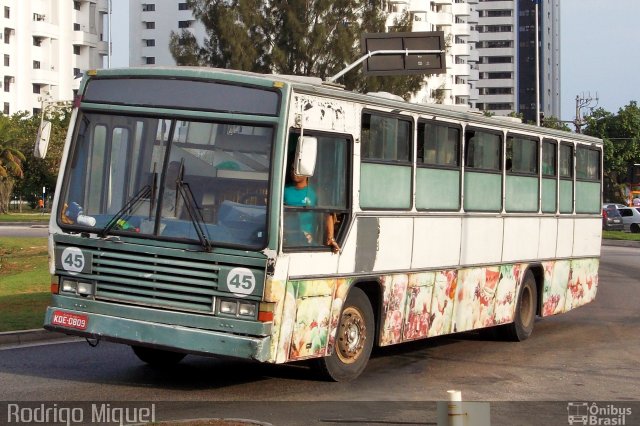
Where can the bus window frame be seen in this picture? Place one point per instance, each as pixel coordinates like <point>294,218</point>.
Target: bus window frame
<point>553,142</point>
<point>499,172</point>
<point>441,123</point>
<point>501,155</point>
<point>510,171</point>
<point>412,131</point>
<point>183,115</point>
<point>572,157</point>
<point>348,213</point>
<point>421,165</point>
<point>599,171</point>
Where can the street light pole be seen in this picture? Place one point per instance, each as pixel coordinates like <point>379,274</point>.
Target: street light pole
<point>109,11</point>
<point>537,67</point>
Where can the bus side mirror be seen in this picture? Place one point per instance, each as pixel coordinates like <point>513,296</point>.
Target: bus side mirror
<point>306,153</point>
<point>42,140</point>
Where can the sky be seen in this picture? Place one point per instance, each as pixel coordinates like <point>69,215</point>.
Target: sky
<point>600,53</point>
<point>600,45</point>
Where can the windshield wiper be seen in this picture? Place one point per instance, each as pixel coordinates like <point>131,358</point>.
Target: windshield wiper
<point>194,212</point>
<point>144,192</point>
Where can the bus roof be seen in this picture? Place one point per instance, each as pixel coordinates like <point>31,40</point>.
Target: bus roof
<point>316,86</point>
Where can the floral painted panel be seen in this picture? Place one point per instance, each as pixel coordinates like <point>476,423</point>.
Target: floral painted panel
<point>287,323</point>
<point>311,328</point>
<point>583,283</point>
<point>309,321</point>
<point>393,306</point>
<point>418,316</point>
<point>275,292</point>
<point>476,298</point>
<point>342,287</point>
<point>444,291</point>
<point>466,310</point>
<point>569,284</point>
<point>506,293</point>
<point>556,277</point>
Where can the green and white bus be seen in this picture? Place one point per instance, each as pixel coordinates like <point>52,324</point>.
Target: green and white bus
<point>172,231</point>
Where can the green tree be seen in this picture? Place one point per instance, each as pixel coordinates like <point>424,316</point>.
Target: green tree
<point>39,172</point>
<point>302,37</point>
<point>621,135</point>
<point>554,123</point>
<point>11,160</point>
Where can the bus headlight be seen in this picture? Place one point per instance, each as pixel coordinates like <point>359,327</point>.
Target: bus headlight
<point>237,308</point>
<point>85,289</point>
<point>82,288</point>
<point>247,309</point>
<point>228,307</point>
<point>69,286</point>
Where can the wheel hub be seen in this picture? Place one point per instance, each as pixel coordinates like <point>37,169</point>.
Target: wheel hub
<point>351,335</point>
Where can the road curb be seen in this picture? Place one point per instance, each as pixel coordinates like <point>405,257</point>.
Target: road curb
<point>620,243</point>
<point>23,337</point>
<point>26,224</point>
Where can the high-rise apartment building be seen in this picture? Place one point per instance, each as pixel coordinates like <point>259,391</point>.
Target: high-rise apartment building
<point>46,45</point>
<point>507,52</point>
<point>490,48</point>
<point>150,26</point>
<point>457,19</point>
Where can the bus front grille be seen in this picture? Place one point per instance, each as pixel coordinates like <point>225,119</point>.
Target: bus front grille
<point>153,280</point>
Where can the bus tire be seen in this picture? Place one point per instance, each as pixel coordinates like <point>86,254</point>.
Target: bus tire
<point>157,357</point>
<point>353,340</point>
<point>525,314</point>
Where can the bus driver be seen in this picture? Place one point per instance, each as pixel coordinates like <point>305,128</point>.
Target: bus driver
<point>299,194</point>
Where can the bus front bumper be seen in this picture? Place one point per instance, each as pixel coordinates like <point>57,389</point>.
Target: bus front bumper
<point>157,335</point>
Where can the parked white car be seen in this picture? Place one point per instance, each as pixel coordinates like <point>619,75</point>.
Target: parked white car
<point>630,218</point>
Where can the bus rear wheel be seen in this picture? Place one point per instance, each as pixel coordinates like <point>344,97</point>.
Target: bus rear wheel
<point>353,341</point>
<point>525,314</point>
<point>157,357</point>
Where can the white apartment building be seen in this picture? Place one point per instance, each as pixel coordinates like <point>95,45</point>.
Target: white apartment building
<point>457,19</point>
<point>151,22</point>
<point>46,45</point>
<point>150,26</point>
<point>507,57</point>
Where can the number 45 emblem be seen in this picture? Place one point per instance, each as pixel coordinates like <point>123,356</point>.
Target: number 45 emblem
<point>241,281</point>
<point>73,260</point>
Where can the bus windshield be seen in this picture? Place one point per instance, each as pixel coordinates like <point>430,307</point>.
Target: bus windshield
<point>166,178</point>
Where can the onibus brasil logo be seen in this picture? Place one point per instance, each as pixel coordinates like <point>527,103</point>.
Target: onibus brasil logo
<point>583,413</point>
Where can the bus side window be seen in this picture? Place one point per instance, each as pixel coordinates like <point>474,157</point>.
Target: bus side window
<point>315,204</point>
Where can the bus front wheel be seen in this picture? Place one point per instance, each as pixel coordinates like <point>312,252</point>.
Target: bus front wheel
<point>525,314</point>
<point>157,357</point>
<point>353,340</point>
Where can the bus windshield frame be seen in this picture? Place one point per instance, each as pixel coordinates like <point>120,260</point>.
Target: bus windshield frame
<point>169,178</point>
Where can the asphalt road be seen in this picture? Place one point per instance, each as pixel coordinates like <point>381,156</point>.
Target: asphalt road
<point>590,354</point>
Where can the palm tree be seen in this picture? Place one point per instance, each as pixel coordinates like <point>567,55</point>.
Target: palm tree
<point>10,162</point>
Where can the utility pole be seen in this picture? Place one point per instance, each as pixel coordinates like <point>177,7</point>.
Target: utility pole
<point>538,68</point>
<point>584,101</point>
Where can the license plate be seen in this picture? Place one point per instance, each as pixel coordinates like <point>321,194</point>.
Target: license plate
<point>69,320</point>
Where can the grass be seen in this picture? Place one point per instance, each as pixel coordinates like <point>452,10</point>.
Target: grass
<point>25,217</point>
<point>620,235</point>
<point>24,283</point>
